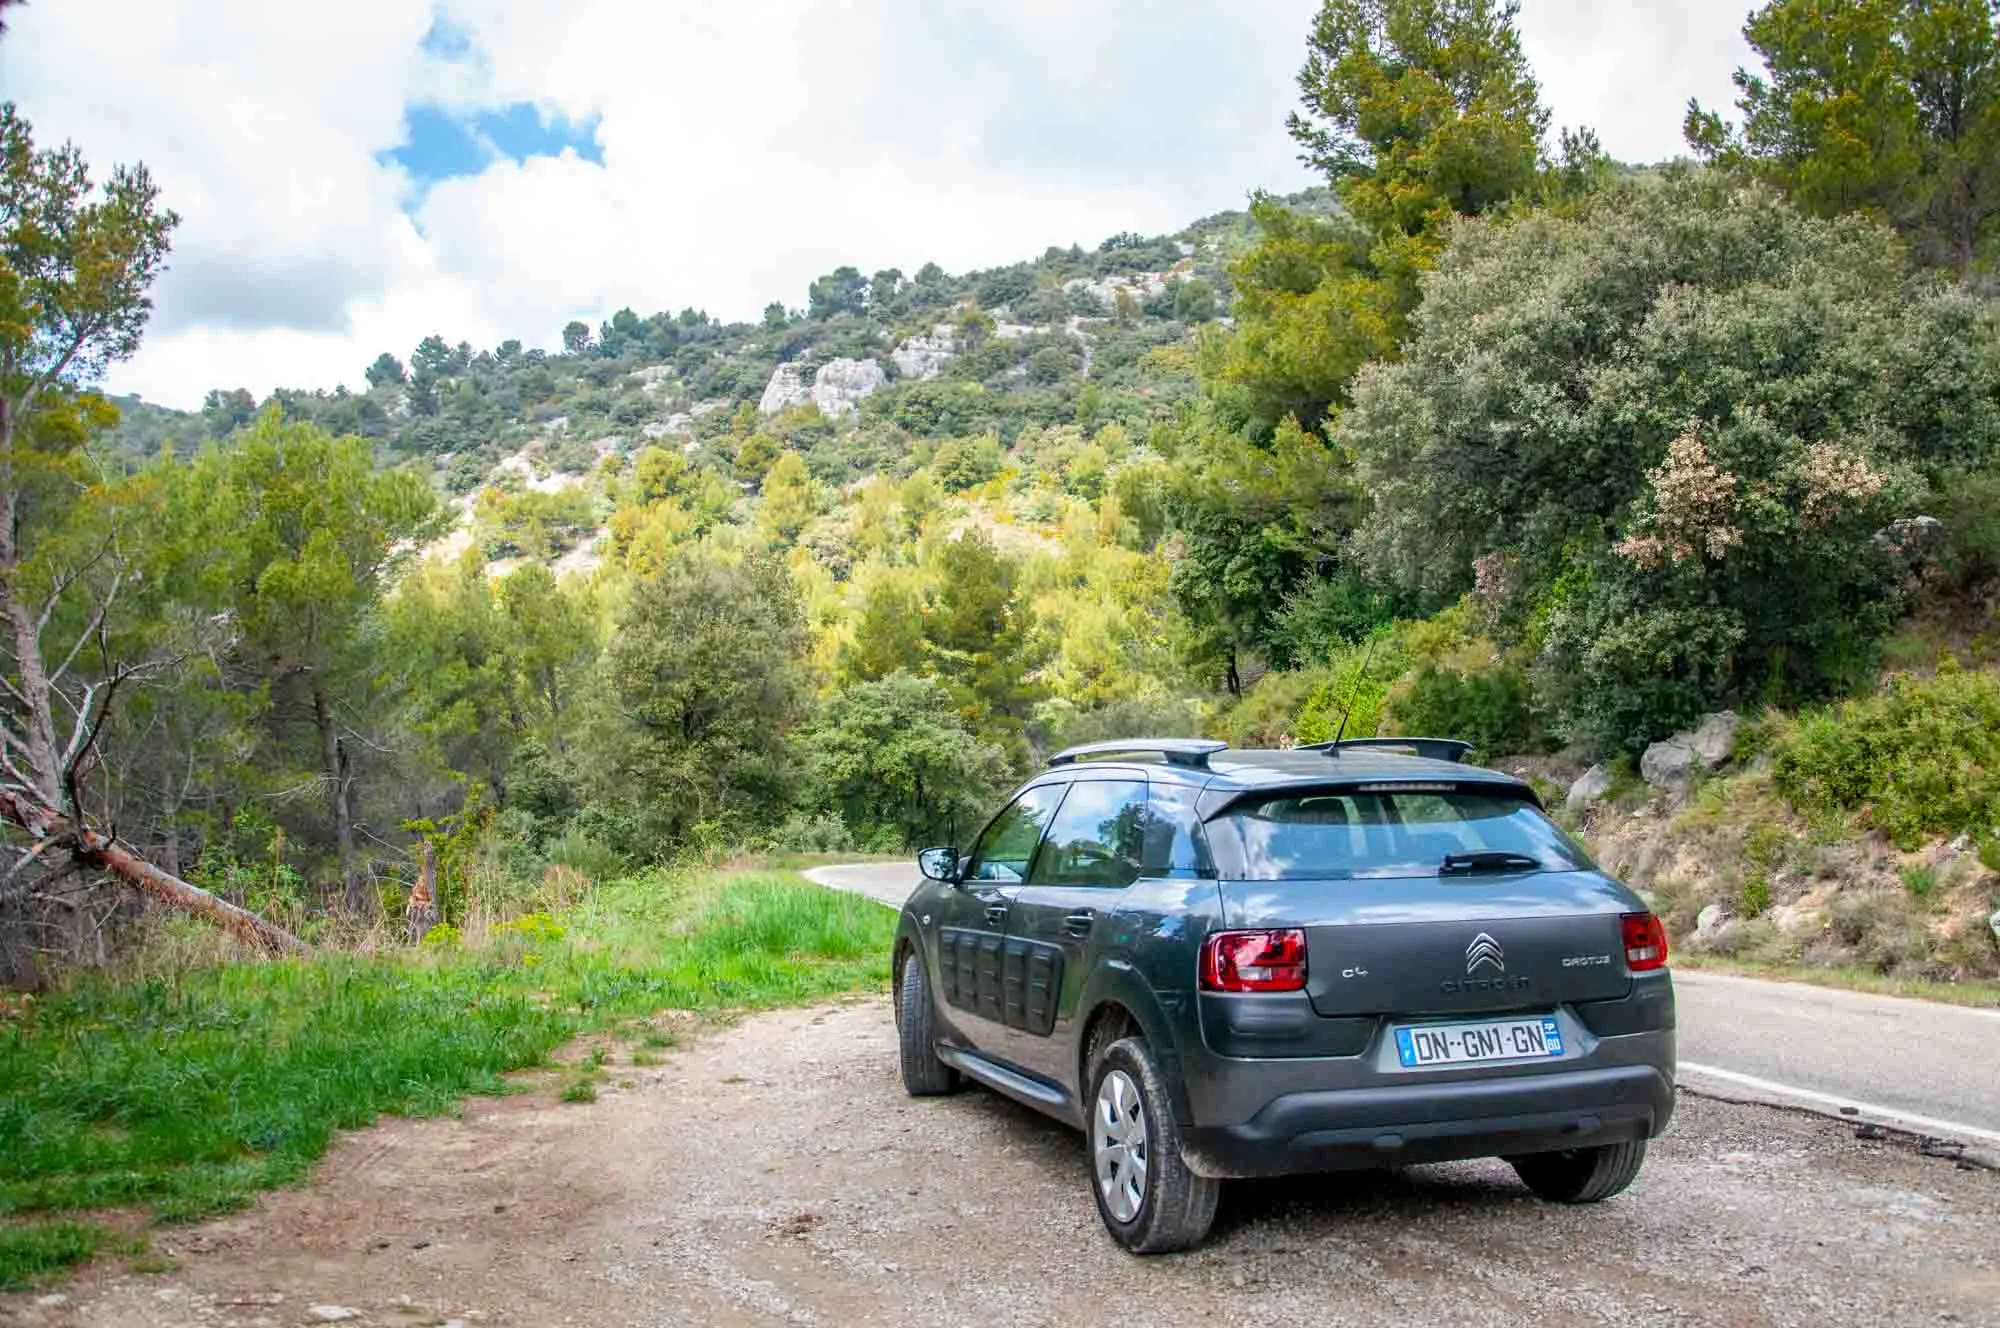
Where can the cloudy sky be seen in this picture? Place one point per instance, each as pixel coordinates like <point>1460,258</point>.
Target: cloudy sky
<point>352,177</point>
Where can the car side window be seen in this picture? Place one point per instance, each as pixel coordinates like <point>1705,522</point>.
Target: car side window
<point>1097,837</point>
<point>1174,842</point>
<point>1004,851</point>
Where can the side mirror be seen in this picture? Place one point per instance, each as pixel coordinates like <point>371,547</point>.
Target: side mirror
<point>939,864</point>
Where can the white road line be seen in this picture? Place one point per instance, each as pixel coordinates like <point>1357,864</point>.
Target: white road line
<point>1885,1115</point>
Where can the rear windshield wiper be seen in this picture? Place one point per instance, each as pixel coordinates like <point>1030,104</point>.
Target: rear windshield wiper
<point>1455,864</point>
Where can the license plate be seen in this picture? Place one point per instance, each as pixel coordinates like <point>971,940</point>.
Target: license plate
<point>1534,1039</point>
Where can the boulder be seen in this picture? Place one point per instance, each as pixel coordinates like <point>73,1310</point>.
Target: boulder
<point>1714,739</point>
<point>1669,765</point>
<point>840,385</point>
<point>1590,786</point>
<point>1709,921</point>
<point>787,388</point>
<point>1994,923</point>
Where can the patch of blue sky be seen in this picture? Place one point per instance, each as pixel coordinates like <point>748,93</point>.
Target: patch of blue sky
<point>443,144</point>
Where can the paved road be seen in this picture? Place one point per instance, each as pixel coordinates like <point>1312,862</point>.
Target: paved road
<point>1932,1065</point>
<point>1913,1064</point>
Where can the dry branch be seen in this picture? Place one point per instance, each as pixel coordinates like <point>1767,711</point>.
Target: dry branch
<point>90,848</point>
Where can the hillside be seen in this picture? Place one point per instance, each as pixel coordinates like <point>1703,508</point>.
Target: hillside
<point>872,367</point>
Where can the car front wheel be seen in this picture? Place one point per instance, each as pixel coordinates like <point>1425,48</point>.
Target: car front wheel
<point>1149,1200</point>
<point>1581,1175</point>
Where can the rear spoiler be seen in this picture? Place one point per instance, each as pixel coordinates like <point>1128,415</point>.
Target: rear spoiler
<point>1215,801</point>
<point>1433,749</point>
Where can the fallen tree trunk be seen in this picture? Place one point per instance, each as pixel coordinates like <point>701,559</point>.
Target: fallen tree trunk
<point>56,833</point>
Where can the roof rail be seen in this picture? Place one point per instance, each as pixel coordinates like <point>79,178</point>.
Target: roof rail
<point>1192,752</point>
<point>1435,749</point>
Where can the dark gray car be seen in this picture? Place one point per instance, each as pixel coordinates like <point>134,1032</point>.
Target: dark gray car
<point>1244,963</point>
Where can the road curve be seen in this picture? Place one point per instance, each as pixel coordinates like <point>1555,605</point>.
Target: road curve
<point>1915,1065</point>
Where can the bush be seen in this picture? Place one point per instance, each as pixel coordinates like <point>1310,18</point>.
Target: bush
<point>577,849</point>
<point>1676,418</point>
<point>1134,717</point>
<point>1968,502</point>
<point>1621,674</point>
<point>1490,708</point>
<point>1920,758</point>
<point>811,832</point>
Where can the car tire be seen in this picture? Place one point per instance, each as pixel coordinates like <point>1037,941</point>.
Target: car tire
<point>924,1075</point>
<point>1131,1118</point>
<point>1581,1175</point>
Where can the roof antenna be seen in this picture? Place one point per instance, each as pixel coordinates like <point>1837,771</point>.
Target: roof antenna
<point>1353,692</point>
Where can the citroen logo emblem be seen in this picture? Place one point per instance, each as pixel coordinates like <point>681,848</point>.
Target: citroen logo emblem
<point>1484,950</point>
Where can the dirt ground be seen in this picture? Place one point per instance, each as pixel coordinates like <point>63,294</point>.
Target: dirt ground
<point>774,1173</point>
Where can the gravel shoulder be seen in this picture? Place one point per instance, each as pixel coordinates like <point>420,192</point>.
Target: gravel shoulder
<point>773,1172</point>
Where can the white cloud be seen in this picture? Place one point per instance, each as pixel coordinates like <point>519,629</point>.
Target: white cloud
<point>748,145</point>
<point>1628,67</point>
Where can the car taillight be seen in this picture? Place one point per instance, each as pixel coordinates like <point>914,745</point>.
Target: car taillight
<point>1254,961</point>
<point>1645,942</point>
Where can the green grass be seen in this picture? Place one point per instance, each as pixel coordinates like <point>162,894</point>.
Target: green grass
<point>1977,994</point>
<point>187,1093</point>
<point>30,1252</point>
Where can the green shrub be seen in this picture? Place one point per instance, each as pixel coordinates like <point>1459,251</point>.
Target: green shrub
<point>1922,757</point>
<point>444,936</point>
<point>1989,853</point>
<point>811,832</point>
<point>1919,880</point>
<point>1756,899</point>
<point>577,848</point>
<point>1969,505</point>
<point>1491,708</point>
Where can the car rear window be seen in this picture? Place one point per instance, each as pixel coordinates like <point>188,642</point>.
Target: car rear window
<point>1343,833</point>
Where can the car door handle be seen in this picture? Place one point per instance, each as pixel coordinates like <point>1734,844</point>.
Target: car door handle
<point>996,914</point>
<point>1079,923</point>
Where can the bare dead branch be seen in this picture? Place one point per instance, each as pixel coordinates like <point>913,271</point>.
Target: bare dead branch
<point>89,847</point>
<point>34,852</point>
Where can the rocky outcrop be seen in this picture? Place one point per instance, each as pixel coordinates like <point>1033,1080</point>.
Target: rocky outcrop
<point>678,422</point>
<point>840,385</point>
<point>837,388</point>
<point>925,357</point>
<point>786,389</point>
<point>1141,286</point>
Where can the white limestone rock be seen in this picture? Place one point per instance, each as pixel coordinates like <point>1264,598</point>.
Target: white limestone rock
<point>840,385</point>
<point>923,357</point>
<point>786,389</point>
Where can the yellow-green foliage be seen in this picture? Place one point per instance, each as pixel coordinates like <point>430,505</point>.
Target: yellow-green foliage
<point>444,936</point>
<point>1922,757</point>
<point>532,929</point>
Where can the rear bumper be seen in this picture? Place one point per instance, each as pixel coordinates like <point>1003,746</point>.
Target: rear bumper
<point>1359,1128</point>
